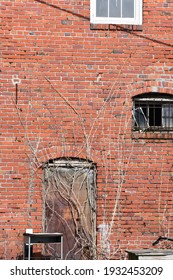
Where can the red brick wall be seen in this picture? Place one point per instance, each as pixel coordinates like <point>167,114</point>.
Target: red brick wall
<point>74,100</point>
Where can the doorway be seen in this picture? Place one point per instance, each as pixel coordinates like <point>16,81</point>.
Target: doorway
<point>69,197</point>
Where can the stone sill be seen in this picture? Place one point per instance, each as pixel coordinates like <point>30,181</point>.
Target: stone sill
<point>116,27</point>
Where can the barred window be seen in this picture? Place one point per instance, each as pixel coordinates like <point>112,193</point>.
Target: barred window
<point>153,111</point>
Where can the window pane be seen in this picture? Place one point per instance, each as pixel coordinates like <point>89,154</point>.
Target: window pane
<point>101,8</point>
<point>115,8</point>
<point>128,8</point>
<point>155,114</point>
<point>140,118</point>
<point>167,115</point>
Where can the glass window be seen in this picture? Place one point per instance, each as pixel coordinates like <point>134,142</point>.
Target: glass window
<point>128,8</point>
<point>101,8</point>
<point>115,8</point>
<point>116,11</point>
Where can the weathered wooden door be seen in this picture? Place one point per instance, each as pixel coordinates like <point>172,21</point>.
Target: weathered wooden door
<point>70,205</point>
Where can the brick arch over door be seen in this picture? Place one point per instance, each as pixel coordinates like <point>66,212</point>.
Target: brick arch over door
<point>70,205</point>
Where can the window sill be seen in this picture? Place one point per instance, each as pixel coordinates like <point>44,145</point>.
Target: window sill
<point>162,135</point>
<point>115,27</point>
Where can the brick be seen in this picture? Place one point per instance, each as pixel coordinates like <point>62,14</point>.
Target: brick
<point>94,71</point>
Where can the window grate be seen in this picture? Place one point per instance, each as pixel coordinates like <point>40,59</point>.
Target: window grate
<point>153,113</point>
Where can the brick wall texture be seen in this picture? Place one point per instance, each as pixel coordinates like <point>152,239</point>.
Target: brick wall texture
<point>73,98</point>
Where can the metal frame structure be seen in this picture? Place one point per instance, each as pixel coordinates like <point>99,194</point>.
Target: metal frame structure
<point>36,238</point>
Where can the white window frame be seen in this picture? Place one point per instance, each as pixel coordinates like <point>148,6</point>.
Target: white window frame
<point>137,20</point>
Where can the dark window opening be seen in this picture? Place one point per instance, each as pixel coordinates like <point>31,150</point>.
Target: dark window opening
<point>153,112</point>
